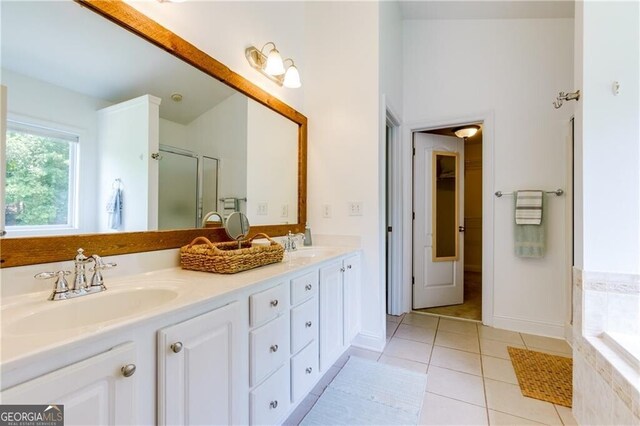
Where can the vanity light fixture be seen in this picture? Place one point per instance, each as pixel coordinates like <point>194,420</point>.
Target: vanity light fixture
<point>292,76</point>
<point>466,131</point>
<point>272,66</point>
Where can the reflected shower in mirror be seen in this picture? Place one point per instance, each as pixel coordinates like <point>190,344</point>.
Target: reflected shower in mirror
<point>445,205</point>
<point>90,104</point>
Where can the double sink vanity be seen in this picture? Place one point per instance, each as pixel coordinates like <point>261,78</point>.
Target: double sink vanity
<point>182,347</point>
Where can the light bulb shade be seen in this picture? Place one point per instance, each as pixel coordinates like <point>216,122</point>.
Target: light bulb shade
<point>292,78</point>
<point>467,131</point>
<point>274,66</point>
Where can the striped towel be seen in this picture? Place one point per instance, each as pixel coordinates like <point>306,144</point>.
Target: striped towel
<point>529,207</point>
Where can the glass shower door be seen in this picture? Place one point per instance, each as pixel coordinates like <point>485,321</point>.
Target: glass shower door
<point>178,195</point>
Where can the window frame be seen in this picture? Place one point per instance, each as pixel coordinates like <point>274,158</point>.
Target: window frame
<point>73,136</point>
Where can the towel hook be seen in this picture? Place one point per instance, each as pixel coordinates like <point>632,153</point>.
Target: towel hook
<point>575,96</point>
<point>117,184</point>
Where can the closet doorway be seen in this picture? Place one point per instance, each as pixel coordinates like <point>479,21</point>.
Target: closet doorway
<point>447,227</point>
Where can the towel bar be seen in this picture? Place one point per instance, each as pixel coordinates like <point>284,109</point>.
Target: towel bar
<point>558,193</point>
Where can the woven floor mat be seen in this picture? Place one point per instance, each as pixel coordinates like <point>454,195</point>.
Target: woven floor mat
<point>543,376</point>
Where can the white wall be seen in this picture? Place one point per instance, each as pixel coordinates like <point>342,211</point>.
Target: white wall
<point>512,70</point>
<point>42,103</point>
<point>175,135</point>
<point>128,133</point>
<point>390,39</point>
<point>343,111</point>
<point>224,29</point>
<point>221,133</point>
<point>609,137</point>
<point>272,166</point>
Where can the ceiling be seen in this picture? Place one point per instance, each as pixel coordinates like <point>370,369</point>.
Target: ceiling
<point>72,47</point>
<point>479,9</point>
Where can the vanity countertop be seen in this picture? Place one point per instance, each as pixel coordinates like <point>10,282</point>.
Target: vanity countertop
<point>32,325</point>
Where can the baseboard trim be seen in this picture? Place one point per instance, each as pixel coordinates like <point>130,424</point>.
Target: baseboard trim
<point>531,327</point>
<point>369,341</point>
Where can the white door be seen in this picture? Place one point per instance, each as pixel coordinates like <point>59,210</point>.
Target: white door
<point>438,243</point>
<point>93,392</point>
<point>331,314</point>
<point>198,363</point>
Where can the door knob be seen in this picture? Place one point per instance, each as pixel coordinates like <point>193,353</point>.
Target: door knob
<point>128,370</point>
<point>274,302</point>
<point>460,228</point>
<point>309,370</point>
<point>308,287</point>
<point>273,404</point>
<point>274,348</point>
<point>176,347</point>
<point>308,324</point>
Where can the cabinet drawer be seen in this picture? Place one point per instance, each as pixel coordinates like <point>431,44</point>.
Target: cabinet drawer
<point>304,324</point>
<point>304,371</point>
<point>267,304</point>
<point>270,400</point>
<point>269,348</point>
<point>304,287</point>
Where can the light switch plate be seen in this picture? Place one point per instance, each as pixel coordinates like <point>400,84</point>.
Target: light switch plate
<point>263,209</point>
<point>355,208</point>
<point>284,211</point>
<point>326,211</point>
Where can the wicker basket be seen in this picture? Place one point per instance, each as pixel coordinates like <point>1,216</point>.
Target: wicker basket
<point>227,258</point>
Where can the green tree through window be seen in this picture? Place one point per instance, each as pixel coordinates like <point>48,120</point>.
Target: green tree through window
<point>38,177</point>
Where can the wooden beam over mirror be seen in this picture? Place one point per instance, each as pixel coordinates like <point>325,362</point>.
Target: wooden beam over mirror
<point>34,250</point>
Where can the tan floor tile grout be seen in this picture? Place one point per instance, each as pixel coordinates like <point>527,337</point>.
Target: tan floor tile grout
<point>484,387</point>
<point>455,399</point>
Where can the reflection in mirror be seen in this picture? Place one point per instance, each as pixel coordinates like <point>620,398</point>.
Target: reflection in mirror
<point>212,220</point>
<point>84,111</point>
<point>237,227</point>
<point>445,205</point>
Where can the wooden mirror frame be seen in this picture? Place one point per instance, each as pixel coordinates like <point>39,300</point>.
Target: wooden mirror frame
<point>34,250</point>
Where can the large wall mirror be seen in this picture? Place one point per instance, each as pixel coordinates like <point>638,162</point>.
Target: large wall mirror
<point>108,133</point>
<point>445,205</point>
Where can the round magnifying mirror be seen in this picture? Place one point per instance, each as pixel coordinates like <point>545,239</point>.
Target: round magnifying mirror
<point>212,220</point>
<point>237,226</point>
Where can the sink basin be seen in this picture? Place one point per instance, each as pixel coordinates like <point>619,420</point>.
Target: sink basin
<point>311,252</point>
<point>86,310</point>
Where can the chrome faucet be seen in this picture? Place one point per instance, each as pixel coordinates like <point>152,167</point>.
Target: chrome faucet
<point>80,287</point>
<point>290,242</point>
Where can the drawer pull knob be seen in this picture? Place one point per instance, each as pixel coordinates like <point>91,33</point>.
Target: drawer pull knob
<point>128,370</point>
<point>273,404</point>
<point>274,303</point>
<point>342,269</point>
<point>309,370</point>
<point>308,324</point>
<point>308,287</point>
<point>176,347</point>
<point>348,266</point>
<point>274,348</point>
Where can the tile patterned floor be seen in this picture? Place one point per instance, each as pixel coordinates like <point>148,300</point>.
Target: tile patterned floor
<point>470,377</point>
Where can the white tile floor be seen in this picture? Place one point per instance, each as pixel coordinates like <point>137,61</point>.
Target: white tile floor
<point>470,377</point>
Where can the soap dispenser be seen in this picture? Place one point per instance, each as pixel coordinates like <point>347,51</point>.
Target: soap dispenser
<point>307,235</point>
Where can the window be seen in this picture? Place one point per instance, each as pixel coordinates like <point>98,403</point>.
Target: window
<point>40,178</point>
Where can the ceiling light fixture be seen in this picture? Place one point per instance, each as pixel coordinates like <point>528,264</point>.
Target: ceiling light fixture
<point>272,66</point>
<point>466,131</point>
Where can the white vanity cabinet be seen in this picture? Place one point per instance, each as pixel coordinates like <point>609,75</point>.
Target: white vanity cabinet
<point>199,370</point>
<point>339,308</point>
<point>96,391</point>
<point>304,334</point>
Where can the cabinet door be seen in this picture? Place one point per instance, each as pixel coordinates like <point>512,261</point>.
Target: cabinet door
<point>93,391</point>
<point>352,296</point>
<point>331,314</point>
<point>198,370</point>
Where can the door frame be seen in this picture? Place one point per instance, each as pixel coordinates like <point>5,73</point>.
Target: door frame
<point>394,304</point>
<point>488,186</point>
